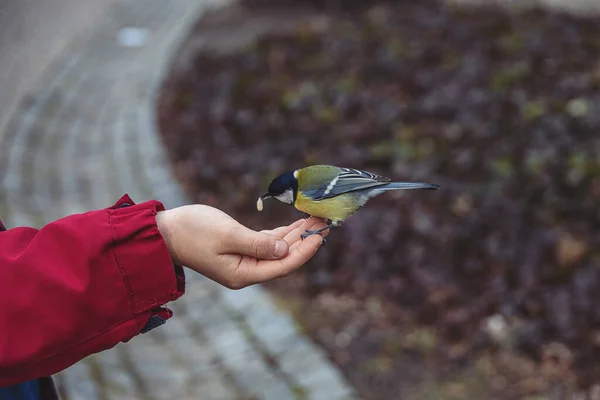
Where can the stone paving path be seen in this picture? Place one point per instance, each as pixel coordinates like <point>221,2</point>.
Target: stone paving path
<point>32,33</point>
<point>87,135</point>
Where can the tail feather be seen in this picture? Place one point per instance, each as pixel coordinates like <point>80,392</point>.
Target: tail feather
<point>408,185</point>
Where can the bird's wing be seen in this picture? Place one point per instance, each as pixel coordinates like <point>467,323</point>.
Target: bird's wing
<point>349,180</point>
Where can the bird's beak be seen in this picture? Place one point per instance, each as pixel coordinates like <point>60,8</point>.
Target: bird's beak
<point>265,196</point>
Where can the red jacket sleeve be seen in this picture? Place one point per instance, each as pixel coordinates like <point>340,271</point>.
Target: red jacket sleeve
<point>81,285</point>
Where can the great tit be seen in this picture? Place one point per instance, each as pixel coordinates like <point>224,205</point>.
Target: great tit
<point>330,192</point>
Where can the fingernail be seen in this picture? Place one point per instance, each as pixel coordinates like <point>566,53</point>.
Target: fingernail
<point>280,248</point>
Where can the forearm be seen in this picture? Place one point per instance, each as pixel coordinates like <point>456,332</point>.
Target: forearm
<point>81,285</point>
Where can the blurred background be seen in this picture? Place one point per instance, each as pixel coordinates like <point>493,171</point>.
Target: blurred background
<point>485,289</point>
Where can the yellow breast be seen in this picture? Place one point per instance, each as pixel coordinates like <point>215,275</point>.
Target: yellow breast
<point>336,209</point>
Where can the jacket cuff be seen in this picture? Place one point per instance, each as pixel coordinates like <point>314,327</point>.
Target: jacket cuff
<point>143,258</point>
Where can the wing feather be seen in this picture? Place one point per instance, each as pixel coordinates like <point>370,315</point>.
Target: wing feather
<point>349,180</point>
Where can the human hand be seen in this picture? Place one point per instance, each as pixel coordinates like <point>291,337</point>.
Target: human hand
<point>215,245</point>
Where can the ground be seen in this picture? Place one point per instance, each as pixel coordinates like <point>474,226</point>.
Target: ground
<point>483,289</point>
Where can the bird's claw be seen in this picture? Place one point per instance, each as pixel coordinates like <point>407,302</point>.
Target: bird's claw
<point>310,233</point>
<point>305,235</point>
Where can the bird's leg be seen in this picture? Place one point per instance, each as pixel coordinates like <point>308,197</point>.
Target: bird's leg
<point>309,232</point>
<point>316,232</point>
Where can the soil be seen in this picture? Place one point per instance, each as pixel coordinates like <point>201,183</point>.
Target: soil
<point>487,288</point>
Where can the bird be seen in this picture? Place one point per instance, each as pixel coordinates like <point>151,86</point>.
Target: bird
<point>330,192</point>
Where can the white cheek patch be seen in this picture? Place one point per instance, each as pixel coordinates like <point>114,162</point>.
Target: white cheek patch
<point>331,186</point>
<point>296,174</point>
<point>286,197</point>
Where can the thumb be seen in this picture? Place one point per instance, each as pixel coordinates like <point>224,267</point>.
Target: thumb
<point>260,245</point>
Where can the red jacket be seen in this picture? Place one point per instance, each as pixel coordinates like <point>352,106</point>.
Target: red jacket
<point>81,285</point>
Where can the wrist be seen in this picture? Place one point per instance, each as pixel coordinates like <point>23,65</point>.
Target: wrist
<point>166,225</point>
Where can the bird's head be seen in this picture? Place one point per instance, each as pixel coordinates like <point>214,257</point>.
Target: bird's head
<point>283,188</point>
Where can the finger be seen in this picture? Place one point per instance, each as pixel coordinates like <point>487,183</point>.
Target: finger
<point>259,271</point>
<point>309,224</point>
<point>300,254</point>
<point>282,231</point>
<point>245,241</point>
